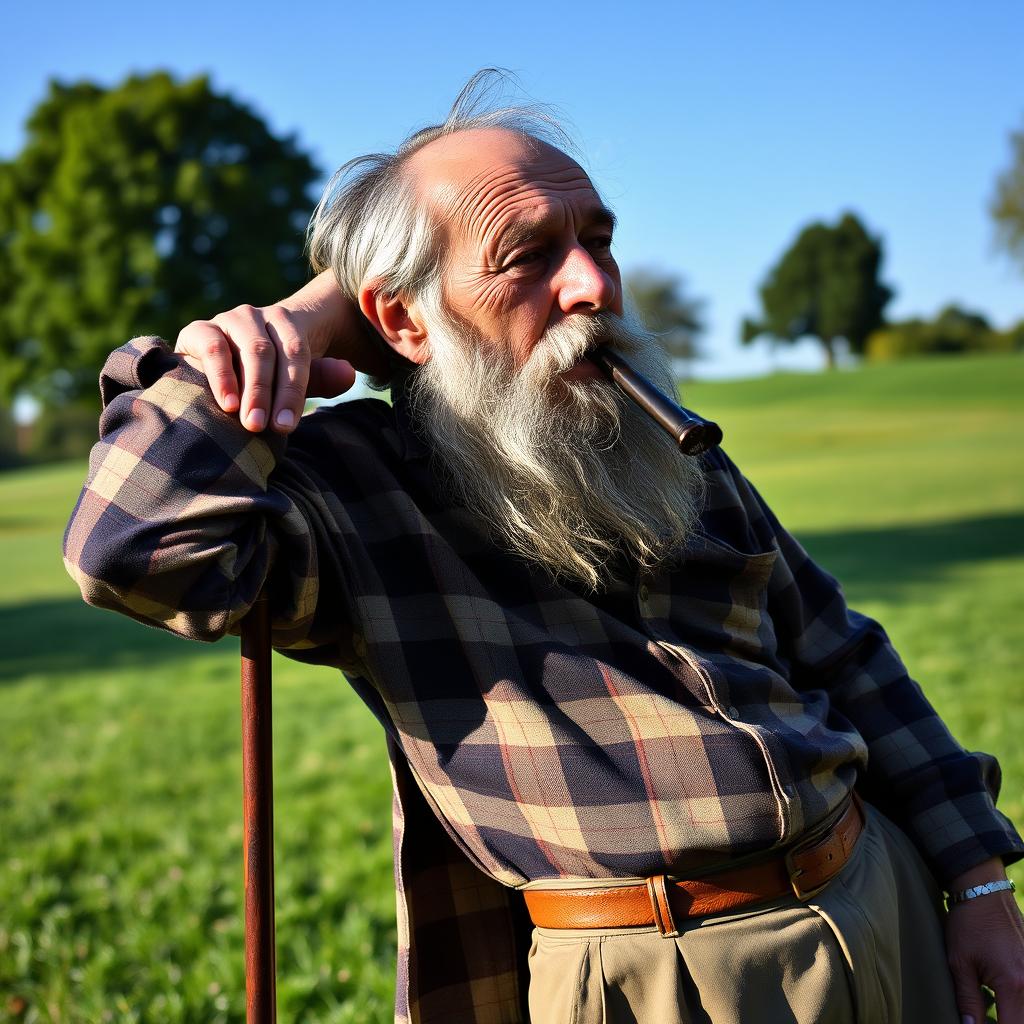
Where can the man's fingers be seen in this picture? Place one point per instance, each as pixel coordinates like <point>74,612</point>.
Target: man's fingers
<point>205,347</point>
<point>967,986</point>
<point>257,357</point>
<point>258,365</point>
<point>1009,990</point>
<point>292,374</point>
<point>330,377</point>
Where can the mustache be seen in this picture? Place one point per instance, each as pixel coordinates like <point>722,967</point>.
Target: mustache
<point>569,341</point>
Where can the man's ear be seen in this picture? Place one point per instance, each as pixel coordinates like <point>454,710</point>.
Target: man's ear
<point>396,322</point>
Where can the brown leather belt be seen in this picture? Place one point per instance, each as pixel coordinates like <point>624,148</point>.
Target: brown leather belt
<point>802,870</point>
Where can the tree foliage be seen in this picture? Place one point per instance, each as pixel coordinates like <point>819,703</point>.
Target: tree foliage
<point>1008,202</point>
<point>136,209</point>
<point>826,286</point>
<point>662,303</point>
<point>954,331</point>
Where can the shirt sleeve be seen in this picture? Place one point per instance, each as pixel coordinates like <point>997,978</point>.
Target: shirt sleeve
<point>185,515</point>
<point>942,795</point>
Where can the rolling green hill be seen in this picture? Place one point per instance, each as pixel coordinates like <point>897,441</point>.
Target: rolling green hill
<point>119,767</point>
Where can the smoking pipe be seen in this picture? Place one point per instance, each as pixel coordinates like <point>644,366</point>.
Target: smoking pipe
<point>693,434</point>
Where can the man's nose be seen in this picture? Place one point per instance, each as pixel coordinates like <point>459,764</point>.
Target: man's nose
<point>582,285</point>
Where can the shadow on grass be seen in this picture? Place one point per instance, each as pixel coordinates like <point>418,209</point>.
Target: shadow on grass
<point>877,562</point>
<point>66,636</point>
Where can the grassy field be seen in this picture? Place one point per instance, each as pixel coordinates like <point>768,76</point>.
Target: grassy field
<point>120,767</point>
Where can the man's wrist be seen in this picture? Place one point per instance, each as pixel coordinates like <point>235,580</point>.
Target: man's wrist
<point>991,870</point>
<point>325,312</point>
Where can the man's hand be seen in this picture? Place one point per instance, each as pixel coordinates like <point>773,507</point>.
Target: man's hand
<point>264,362</point>
<point>985,946</point>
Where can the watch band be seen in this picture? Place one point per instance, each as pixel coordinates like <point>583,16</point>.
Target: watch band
<point>980,890</point>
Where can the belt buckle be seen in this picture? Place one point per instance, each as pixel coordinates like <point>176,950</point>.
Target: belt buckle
<point>794,874</point>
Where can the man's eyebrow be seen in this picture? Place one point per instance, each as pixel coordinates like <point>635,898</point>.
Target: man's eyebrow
<point>602,217</point>
<point>522,231</point>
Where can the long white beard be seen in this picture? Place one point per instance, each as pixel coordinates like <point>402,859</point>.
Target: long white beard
<point>569,475</point>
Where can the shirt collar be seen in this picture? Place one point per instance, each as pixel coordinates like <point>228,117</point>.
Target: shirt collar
<point>411,440</point>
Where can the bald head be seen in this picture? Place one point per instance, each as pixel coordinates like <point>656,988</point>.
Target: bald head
<point>473,180</point>
<point>453,167</point>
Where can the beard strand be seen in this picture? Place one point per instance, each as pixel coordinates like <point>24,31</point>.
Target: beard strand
<point>569,475</point>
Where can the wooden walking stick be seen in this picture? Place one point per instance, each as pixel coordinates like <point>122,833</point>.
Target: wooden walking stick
<point>258,818</point>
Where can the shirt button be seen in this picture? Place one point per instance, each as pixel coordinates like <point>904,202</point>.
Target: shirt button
<point>644,592</point>
<point>733,713</point>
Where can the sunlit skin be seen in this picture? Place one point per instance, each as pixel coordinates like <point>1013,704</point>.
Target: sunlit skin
<point>528,244</point>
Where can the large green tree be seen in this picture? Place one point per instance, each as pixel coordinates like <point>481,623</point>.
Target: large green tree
<point>825,286</point>
<point>664,306</point>
<point>1008,202</point>
<point>136,209</point>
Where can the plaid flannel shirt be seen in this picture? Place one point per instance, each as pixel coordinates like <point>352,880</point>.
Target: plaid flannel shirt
<point>710,710</point>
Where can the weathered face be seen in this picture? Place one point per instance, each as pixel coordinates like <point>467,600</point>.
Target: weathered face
<point>528,238</point>
<point>570,477</point>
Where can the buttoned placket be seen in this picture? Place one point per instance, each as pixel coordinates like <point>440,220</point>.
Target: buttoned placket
<point>650,589</point>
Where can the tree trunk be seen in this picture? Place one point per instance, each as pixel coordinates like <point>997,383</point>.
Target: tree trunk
<point>830,353</point>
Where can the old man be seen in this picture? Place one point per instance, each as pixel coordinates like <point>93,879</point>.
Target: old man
<point>618,695</point>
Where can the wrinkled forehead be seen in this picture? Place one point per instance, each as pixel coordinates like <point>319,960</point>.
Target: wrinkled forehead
<point>479,180</point>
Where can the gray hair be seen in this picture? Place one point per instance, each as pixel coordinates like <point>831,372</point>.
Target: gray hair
<point>370,225</point>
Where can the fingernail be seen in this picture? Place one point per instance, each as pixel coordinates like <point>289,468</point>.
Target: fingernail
<point>285,418</point>
<point>230,402</point>
<point>257,419</point>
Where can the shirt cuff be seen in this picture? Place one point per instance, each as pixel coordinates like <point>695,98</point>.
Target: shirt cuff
<point>953,819</point>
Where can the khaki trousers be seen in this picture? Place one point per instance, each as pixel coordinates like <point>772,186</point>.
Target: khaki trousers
<point>868,948</point>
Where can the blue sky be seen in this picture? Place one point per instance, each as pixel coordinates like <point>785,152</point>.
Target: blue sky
<point>716,130</point>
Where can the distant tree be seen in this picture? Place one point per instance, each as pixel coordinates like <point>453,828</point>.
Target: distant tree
<point>677,318</point>
<point>1015,337</point>
<point>825,286</point>
<point>1007,206</point>
<point>134,210</point>
<point>954,331</point>
<point>9,454</point>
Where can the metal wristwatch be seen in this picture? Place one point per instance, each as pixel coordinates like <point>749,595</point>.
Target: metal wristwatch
<point>980,890</point>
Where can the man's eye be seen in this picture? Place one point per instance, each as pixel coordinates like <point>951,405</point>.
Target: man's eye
<point>525,261</point>
<point>601,244</point>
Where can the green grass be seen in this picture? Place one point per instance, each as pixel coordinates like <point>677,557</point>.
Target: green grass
<point>120,811</point>
<point>120,766</point>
